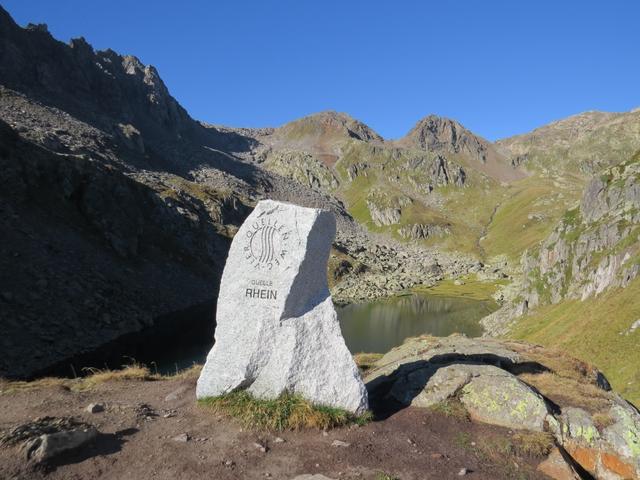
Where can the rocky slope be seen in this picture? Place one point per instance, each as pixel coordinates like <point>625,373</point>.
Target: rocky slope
<point>579,287</point>
<point>399,187</point>
<point>584,143</point>
<point>593,248</point>
<point>117,207</point>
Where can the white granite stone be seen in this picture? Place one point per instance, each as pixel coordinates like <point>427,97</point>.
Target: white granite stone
<point>277,329</point>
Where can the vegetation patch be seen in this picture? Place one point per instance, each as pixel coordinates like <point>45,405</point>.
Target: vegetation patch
<point>365,361</point>
<point>287,412</point>
<point>95,377</point>
<point>469,288</point>
<point>595,330</point>
<point>451,408</point>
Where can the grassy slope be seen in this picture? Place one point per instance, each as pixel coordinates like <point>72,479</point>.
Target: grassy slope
<point>527,214</point>
<point>591,330</point>
<point>486,219</point>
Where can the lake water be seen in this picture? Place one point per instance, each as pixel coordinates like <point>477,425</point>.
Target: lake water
<point>380,325</point>
<point>184,338</point>
<point>374,327</point>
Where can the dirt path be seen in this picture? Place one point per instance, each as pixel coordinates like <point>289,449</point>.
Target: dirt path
<point>141,420</point>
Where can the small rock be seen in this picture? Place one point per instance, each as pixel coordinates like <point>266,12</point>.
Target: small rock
<point>463,472</point>
<point>49,445</point>
<point>228,463</point>
<point>339,443</point>
<point>259,446</point>
<point>183,437</point>
<point>175,395</point>
<point>437,456</point>
<point>278,440</point>
<point>95,408</point>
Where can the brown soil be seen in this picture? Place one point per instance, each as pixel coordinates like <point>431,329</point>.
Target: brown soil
<point>136,441</point>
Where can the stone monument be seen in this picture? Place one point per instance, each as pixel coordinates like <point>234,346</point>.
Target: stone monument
<point>277,330</point>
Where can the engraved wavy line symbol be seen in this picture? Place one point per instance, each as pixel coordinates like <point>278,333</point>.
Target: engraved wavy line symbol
<point>266,244</point>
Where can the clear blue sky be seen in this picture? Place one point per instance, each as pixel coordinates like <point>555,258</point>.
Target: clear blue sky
<point>499,67</point>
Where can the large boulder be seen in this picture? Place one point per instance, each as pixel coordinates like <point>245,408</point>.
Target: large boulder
<point>277,330</point>
<point>498,397</point>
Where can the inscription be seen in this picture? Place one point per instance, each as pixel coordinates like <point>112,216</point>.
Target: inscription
<point>262,294</point>
<point>265,246</point>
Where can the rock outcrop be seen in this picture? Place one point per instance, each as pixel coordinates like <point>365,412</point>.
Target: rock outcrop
<point>442,135</point>
<point>419,231</point>
<point>595,246</point>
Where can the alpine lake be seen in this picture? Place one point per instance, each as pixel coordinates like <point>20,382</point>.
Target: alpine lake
<point>375,326</point>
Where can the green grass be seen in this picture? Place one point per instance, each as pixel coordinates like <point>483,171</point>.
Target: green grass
<point>451,408</point>
<point>287,412</point>
<point>593,331</point>
<point>511,231</point>
<point>472,288</point>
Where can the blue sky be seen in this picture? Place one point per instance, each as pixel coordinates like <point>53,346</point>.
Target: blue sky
<point>498,67</point>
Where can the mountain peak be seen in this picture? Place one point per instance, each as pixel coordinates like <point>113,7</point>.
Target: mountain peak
<point>438,134</point>
<point>330,123</point>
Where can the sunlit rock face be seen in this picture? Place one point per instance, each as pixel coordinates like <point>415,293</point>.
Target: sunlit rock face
<point>277,329</point>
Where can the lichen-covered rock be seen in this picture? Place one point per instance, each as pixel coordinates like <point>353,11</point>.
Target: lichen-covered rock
<point>577,424</point>
<point>624,434</point>
<point>499,399</point>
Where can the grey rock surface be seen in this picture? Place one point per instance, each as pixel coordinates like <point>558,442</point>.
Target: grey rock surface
<point>47,446</point>
<point>277,329</point>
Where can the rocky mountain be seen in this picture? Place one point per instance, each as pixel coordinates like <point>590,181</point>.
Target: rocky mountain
<point>117,207</point>
<point>581,144</point>
<point>394,187</point>
<point>442,135</point>
<point>595,247</point>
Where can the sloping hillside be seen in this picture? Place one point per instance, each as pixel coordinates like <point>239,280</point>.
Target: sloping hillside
<point>584,143</point>
<point>581,285</point>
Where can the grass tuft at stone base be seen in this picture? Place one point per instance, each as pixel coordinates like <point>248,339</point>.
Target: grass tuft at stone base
<point>287,412</point>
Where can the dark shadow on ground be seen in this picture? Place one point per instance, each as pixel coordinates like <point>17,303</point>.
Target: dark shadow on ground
<point>104,444</point>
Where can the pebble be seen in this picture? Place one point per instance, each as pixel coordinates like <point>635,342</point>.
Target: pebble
<point>278,440</point>
<point>463,472</point>
<point>183,437</point>
<point>259,446</point>
<point>95,408</point>
<point>339,443</point>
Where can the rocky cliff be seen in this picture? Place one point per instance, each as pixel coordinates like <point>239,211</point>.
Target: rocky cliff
<point>595,246</point>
